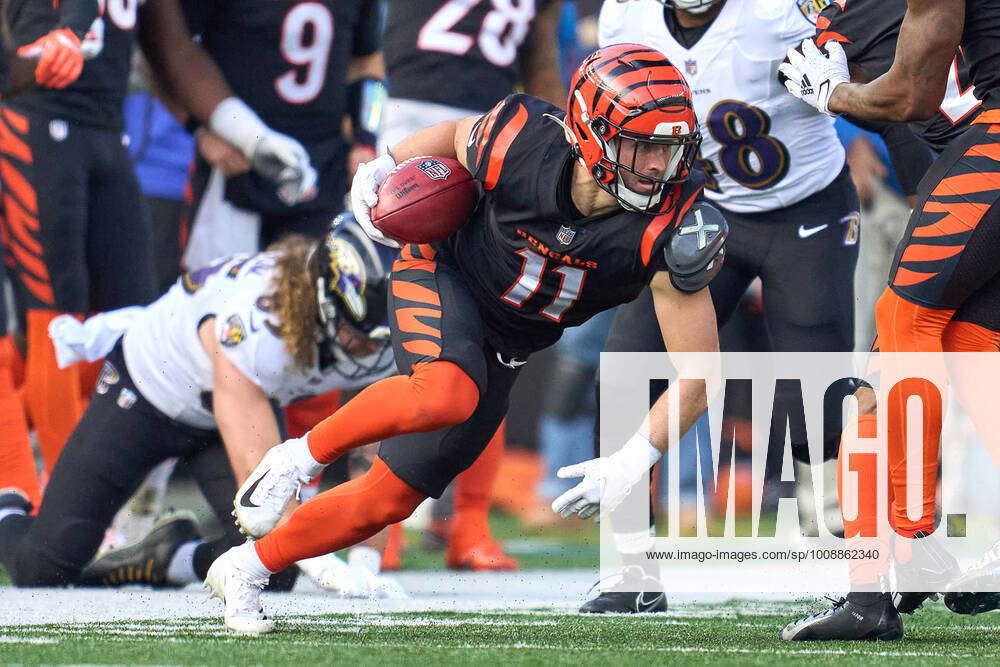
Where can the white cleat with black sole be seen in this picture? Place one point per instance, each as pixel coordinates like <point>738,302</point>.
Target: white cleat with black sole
<point>240,592</point>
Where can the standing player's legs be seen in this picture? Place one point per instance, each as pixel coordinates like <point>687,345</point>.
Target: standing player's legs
<point>119,232</point>
<point>950,252</point>
<point>17,462</point>
<point>808,272</point>
<point>44,170</point>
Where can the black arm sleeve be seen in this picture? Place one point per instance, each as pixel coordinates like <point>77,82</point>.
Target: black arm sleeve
<point>909,154</point>
<point>77,15</point>
<point>368,34</point>
<point>198,14</point>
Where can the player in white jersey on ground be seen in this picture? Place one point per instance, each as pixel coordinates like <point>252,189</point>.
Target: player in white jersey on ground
<point>777,172</point>
<point>202,374</point>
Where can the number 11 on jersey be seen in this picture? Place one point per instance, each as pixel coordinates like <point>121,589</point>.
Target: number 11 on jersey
<point>532,273</point>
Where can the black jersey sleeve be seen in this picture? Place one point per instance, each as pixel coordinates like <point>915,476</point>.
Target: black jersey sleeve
<point>867,29</point>
<point>198,14</point>
<point>368,33</point>
<point>507,145</point>
<point>911,158</point>
<point>77,15</point>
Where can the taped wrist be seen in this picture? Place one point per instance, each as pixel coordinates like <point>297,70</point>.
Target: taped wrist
<point>238,124</point>
<point>365,100</point>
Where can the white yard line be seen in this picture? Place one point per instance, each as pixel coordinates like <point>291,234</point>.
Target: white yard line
<point>559,591</point>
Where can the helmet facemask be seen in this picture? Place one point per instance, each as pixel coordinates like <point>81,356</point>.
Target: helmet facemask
<point>649,162</point>
<point>351,293</point>
<point>690,6</point>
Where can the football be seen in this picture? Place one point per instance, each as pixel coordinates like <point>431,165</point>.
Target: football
<point>425,200</point>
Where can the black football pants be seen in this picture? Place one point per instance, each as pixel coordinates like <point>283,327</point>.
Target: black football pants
<point>119,440</point>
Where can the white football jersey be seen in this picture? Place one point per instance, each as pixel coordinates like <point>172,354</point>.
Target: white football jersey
<point>170,367</point>
<point>762,149</point>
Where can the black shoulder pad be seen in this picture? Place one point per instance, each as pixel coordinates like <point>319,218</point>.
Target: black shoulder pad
<point>697,248</point>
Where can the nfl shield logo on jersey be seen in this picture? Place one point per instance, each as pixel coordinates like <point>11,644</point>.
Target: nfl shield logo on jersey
<point>691,67</point>
<point>434,169</point>
<point>811,8</point>
<point>565,235</point>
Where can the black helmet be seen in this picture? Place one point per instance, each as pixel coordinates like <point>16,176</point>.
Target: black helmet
<point>352,275</point>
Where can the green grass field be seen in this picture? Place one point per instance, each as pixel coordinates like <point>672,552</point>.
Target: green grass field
<point>732,634</point>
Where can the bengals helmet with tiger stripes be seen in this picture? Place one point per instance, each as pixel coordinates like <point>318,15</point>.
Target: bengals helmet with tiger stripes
<point>631,93</point>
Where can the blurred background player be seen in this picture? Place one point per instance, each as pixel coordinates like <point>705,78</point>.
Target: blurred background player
<point>78,229</point>
<point>775,170</point>
<point>56,62</point>
<point>301,68</point>
<point>201,373</point>
<point>943,288</point>
<point>447,60</point>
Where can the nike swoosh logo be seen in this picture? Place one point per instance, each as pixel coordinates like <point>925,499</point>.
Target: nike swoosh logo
<point>642,605</point>
<point>245,498</point>
<point>805,233</point>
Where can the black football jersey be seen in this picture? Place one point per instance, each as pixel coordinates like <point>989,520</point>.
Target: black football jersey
<point>459,53</point>
<point>533,264</point>
<point>868,29</point>
<point>96,97</point>
<point>288,60</point>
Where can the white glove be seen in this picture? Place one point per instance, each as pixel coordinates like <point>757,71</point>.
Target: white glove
<point>813,75</point>
<point>348,581</point>
<point>607,479</point>
<point>364,195</point>
<point>274,155</point>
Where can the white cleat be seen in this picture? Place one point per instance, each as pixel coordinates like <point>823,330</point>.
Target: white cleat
<point>351,582</point>
<point>240,592</point>
<point>262,499</point>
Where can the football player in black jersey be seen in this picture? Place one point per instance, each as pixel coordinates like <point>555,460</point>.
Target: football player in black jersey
<point>581,211</point>
<point>301,67</point>
<point>77,228</point>
<point>17,74</point>
<point>446,62</point>
<point>946,260</point>
<point>435,50</point>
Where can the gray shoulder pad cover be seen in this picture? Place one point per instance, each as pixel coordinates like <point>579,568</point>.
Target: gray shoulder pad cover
<point>697,248</point>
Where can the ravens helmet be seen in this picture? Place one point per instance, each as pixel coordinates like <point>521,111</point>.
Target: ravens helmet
<point>351,275</point>
<point>693,6</point>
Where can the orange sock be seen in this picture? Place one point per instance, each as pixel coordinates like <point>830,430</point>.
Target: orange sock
<point>341,517</point>
<point>907,327</point>
<point>866,521</point>
<point>392,555</point>
<point>90,371</point>
<point>303,415</point>
<point>51,395</point>
<point>436,395</point>
<point>474,492</point>
<point>17,463</point>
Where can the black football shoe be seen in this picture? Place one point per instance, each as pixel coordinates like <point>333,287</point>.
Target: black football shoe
<point>931,566</point>
<point>625,603</point>
<point>858,617</point>
<point>983,575</point>
<point>650,601</point>
<point>144,562</point>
